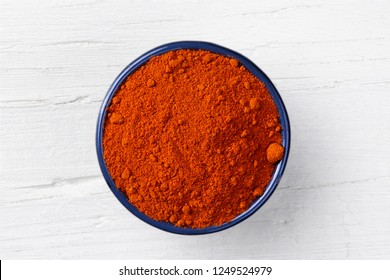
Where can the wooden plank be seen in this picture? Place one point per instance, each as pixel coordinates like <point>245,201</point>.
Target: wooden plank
<point>329,60</point>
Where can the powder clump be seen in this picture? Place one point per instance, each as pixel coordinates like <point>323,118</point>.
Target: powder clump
<point>274,152</point>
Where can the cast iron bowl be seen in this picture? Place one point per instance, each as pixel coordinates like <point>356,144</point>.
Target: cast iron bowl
<point>279,169</point>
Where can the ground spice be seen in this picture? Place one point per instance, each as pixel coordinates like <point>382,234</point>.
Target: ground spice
<point>192,138</point>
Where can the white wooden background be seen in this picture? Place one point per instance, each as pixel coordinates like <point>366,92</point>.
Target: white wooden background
<point>330,61</point>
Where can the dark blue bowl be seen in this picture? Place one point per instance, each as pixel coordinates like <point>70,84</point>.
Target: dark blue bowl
<point>277,175</point>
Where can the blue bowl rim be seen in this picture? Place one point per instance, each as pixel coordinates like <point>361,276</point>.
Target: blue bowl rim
<point>257,72</point>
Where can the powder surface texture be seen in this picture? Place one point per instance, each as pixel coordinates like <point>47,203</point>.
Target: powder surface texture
<point>186,138</point>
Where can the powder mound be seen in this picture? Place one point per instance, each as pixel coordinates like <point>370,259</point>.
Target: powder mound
<point>192,138</point>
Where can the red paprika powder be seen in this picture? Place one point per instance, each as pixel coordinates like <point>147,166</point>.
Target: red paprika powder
<point>192,138</point>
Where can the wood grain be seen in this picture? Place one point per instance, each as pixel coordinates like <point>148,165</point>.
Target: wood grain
<point>330,61</point>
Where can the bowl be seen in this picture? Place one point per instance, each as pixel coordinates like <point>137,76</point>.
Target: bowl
<point>196,45</point>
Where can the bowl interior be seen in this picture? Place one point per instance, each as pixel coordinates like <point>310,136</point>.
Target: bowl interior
<point>279,169</point>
